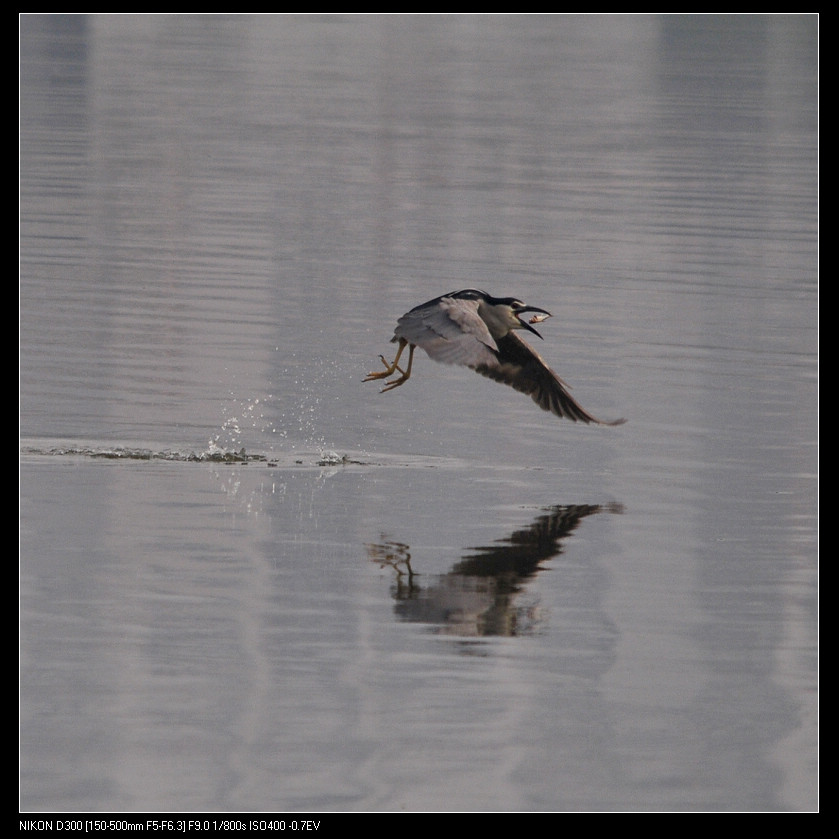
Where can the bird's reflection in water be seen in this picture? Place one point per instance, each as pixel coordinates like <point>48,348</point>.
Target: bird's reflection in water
<point>482,594</point>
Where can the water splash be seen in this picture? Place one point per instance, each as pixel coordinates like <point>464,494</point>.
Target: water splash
<point>246,416</point>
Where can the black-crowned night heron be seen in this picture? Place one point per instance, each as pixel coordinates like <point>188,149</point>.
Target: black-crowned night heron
<point>474,329</point>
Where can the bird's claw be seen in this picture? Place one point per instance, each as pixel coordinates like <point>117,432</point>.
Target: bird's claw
<point>395,383</point>
<point>393,367</point>
<point>389,370</point>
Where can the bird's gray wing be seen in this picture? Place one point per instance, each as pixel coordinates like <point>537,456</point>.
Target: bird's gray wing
<point>450,331</point>
<point>518,365</point>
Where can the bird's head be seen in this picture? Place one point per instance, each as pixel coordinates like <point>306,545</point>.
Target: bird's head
<point>501,314</point>
<point>511,312</point>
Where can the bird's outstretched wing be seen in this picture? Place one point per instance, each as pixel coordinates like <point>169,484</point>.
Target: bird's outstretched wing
<point>518,365</point>
<point>450,331</point>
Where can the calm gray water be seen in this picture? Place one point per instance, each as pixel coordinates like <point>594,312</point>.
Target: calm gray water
<point>439,598</point>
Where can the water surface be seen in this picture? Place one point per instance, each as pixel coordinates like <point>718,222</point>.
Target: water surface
<point>249,581</point>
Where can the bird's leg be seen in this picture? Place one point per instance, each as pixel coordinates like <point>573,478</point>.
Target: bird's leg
<point>390,369</point>
<point>406,374</point>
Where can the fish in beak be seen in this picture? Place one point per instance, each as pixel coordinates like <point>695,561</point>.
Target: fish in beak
<point>541,315</point>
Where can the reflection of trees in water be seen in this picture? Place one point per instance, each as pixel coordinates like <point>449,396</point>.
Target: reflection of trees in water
<point>483,593</point>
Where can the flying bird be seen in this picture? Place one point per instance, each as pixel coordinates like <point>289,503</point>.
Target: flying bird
<point>473,329</point>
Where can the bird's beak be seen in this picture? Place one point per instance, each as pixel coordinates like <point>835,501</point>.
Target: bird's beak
<point>526,324</point>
